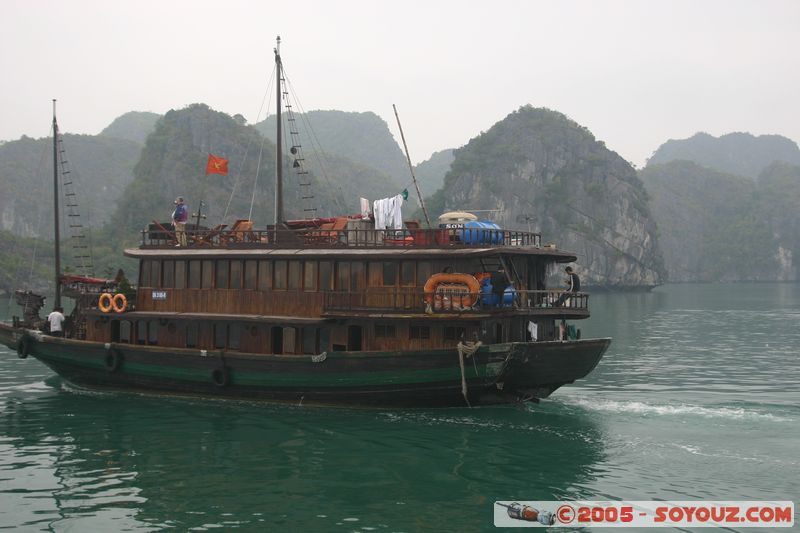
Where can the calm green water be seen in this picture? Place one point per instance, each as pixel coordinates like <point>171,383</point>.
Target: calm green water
<point>698,398</point>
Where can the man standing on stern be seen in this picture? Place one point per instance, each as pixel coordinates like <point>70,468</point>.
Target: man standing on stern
<point>573,283</point>
<point>179,217</point>
<point>56,320</point>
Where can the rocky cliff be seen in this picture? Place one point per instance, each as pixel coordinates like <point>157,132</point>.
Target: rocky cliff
<point>537,166</point>
<point>713,226</point>
<point>101,167</point>
<point>363,138</point>
<point>133,125</point>
<point>737,153</point>
<point>173,163</point>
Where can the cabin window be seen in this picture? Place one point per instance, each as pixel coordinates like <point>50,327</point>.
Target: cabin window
<point>192,330</point>
<point>289,339</point>
<point>358,275</point>
<point>250,274</point>
<point>168,275</point>
<point>310,275</point>
<point>384,331</point>
<point>354,338</point>
<point>280,275</point>
<point>342,276</point>
<point>223,267</point>
<point>234,335</point>
<point>454,333</point>
<point>294,275</point>
<point>180,274</point>
<point>264,275</point>
<point>144,273</point>
<point>155,273</point>
<point>141,332</point>
<point>325,275</point>
<point>220,335</point>
<point>276,334</point>
<point>419,332</point>
<point>194,274</point>
<point>236,274</point>
<point>152,332</point>
<point>407,274</point>
<point>324,339</point>
<point>424,271</point>
<point>309,340</point>
<point>389,273</point>
<point>208,274</point>
<point>125,331</point>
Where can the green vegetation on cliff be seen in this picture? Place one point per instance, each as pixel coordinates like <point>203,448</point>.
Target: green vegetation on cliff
<point>100,166</point>
<point>173,164</point>
<point>742,154</point>
<point>538,165</point>
<point>430,173</point>
<point>363,138</point>
<point>712,224</point>
<point>134,126</point>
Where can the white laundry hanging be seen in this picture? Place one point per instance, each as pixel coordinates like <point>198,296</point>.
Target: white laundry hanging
<point>388,212</point>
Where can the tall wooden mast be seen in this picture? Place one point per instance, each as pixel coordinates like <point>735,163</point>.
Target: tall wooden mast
<point>279,218</point>
<point>56,218</point>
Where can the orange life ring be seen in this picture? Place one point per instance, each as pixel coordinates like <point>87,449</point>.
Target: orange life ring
<point>105,302</point>
<point>471,284</point>
<point>120,303</point>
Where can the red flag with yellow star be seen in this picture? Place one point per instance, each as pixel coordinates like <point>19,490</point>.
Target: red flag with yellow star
<point>216,165</point>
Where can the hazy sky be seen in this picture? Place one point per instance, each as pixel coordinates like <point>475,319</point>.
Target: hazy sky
<point>636,73</point>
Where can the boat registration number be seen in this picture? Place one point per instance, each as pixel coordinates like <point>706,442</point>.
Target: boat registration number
<point>159,295</point>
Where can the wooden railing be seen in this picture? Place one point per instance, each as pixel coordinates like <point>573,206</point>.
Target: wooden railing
<point>164,237</point>
<point>413,301</point>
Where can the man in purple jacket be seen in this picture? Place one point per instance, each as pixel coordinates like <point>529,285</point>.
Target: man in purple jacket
<point>179,218</point>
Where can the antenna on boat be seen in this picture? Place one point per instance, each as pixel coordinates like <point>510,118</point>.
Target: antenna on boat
<point>279,218</point>
<point>411,168</point>
<point>56,225</point>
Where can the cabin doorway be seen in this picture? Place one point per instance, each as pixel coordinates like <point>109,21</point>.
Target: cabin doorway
<point>498,332</point>
<point>354,337</point>
<point>277,340</point>
<point>115,331</point>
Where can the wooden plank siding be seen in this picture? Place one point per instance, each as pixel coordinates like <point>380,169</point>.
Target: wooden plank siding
<point>233,302</point>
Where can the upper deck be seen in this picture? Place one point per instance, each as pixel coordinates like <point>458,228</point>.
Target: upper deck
<point>350,236</point>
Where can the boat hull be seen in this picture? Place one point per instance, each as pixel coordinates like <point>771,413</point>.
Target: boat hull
<point>497,373</point>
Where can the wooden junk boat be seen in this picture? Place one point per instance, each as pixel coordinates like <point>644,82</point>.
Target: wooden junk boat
<point>321,311</point>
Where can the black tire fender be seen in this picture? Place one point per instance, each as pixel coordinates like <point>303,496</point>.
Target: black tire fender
<point>24,347</point>
<point>220,376</point>
<point>113,359</point>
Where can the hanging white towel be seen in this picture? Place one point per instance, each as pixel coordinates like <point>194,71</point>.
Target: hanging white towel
<point>364,207</point>
<point>533,329</point>
<point>388,212</point>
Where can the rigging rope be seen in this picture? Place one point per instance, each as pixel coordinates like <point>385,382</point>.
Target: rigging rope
<point>316,148</point>
<point>267,93</point>
<point>17,241</point>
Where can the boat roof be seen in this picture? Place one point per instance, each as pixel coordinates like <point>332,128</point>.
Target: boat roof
<point>559,256</point>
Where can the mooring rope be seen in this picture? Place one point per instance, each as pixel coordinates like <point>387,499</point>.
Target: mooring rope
<point>466,349</point>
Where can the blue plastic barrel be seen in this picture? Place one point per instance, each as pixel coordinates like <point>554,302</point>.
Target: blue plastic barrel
<point>489,299</point>
<point>480,232</point>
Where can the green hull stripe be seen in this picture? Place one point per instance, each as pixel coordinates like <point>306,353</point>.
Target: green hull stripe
<point>306,378</point>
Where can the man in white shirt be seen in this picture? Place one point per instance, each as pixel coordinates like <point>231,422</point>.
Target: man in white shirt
<point>56,320</point>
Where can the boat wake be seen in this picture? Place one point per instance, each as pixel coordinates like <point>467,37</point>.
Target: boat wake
<point>642,408</point>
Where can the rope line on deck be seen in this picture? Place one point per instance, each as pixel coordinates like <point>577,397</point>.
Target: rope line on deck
<point>466,349</point>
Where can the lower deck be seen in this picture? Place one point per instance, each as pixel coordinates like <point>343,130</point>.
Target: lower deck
<point>299,336</point>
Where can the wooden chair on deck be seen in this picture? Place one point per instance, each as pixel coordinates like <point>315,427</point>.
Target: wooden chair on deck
<point>328,233</point>
<point>241,230</point>
<point>207,239</point>
<point>159,232</point>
